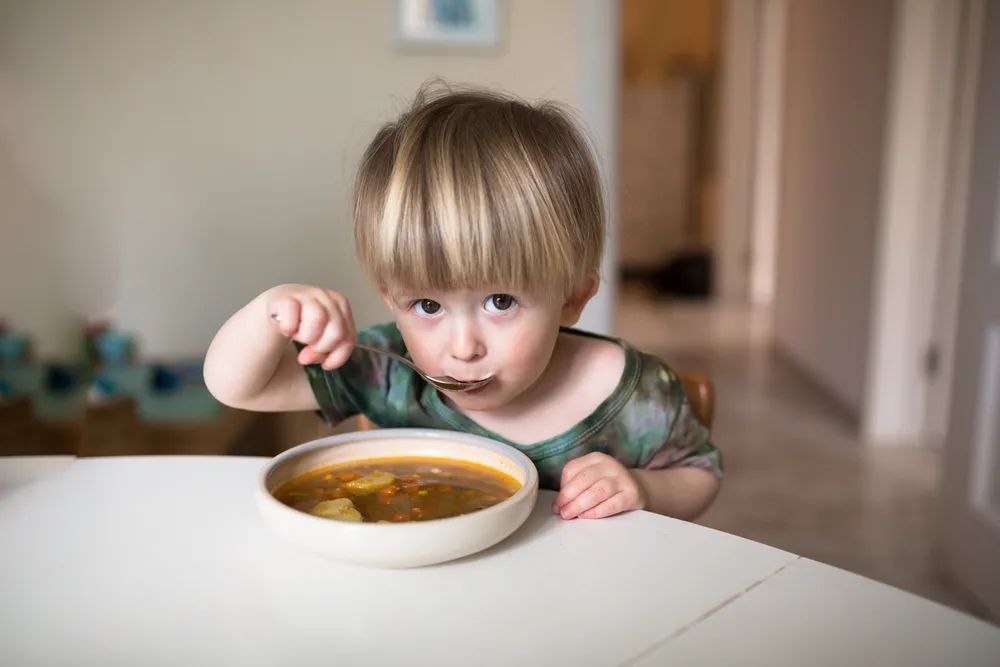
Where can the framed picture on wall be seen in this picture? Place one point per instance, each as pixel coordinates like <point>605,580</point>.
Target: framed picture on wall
<point>448,23</point>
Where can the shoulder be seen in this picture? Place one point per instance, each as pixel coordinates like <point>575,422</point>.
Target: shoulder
<point>598,362</point>
<point>614,364</point>
<point>602,354</point>
<point>657,382</point>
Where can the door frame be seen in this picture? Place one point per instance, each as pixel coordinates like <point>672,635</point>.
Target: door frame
<point>944,328</point>
<point>752,65</point>
<point>598,57</point>
<point>924,180</point>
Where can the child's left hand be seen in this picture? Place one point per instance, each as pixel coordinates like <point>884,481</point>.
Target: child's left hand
<point>595,486</point>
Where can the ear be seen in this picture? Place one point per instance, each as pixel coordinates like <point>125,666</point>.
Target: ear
<point>578,298</point>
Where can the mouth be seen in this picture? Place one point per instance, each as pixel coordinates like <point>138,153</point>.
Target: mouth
<point>483,380</point>
<point>469,377</point>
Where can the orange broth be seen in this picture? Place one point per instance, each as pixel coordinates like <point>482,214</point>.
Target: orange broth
<point>400,489</point>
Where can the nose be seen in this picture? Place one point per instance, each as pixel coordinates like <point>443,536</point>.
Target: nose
<point>466,341</point>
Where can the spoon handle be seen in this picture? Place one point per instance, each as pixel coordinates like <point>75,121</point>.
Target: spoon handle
<point>446,383</point>
<point>397,357</point>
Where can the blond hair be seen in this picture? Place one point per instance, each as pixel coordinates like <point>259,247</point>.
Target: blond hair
<point>473,189</point>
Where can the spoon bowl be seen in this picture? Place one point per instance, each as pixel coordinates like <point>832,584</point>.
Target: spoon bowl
<point>445,382</point>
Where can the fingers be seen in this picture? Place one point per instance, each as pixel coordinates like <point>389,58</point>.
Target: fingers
<point>286,314</point>
<point>340,350</point>
<point>616,504</point>
<point>594,462</point>
<point>595,494</point>
<point>575,485</point>
<point>338,356</point>
<point>312,323</point>
<point>339,327</point>
<point>595,486</point>
<point>319,319</point>
<point>574,466</point>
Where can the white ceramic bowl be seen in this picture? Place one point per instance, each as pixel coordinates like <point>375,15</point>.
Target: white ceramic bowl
<point>404,544</point>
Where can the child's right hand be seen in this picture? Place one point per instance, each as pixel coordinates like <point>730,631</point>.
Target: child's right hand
<point>318,318</point>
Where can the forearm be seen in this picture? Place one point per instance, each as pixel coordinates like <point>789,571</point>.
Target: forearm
<point>682,492</point>
<point>244,355</point>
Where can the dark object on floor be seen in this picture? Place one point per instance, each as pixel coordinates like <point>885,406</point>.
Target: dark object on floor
<point>686,276</point>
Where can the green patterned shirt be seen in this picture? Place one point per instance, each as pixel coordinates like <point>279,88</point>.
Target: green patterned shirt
<point>645,423</point>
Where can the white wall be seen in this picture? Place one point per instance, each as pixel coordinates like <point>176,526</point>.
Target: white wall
<point>837,64</point>
<point>31,272</point>
<point>192,154</point>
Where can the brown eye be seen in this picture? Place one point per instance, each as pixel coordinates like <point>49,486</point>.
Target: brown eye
<point>426,306</point>
<point>498,303</point>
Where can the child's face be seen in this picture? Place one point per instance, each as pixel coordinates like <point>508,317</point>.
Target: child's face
<point>470,334</point>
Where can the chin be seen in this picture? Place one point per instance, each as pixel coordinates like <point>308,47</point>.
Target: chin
<point>481,399</point>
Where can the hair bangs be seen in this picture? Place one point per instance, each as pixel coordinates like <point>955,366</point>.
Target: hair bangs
<point>466,191</point>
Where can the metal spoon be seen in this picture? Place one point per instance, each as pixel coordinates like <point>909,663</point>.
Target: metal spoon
<point>445,382</point>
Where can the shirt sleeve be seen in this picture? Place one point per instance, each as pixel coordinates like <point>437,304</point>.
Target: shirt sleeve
<point>688,443</point>
<point>361,385</point>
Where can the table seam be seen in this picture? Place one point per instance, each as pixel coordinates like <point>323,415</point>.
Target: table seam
<point>705,616</point>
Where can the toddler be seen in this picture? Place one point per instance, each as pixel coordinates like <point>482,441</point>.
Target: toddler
<point>480,221</point>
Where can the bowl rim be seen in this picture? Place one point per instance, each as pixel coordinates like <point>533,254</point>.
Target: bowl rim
<point>529,487</point>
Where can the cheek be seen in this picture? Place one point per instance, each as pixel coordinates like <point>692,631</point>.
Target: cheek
<point>528,358</point>
<point>521,355</point>
<point>419,354</point>
<point>419,343</point>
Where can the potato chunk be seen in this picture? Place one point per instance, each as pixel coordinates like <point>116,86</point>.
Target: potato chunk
<point>370,483</point>
<point>340,509</point>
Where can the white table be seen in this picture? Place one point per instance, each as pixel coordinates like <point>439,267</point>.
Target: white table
<point>164,561</point>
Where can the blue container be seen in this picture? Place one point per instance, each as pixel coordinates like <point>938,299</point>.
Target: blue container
<point>114,348</point>
<point>13,348</point>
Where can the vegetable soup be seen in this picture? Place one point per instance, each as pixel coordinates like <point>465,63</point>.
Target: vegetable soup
<point>397,490</point>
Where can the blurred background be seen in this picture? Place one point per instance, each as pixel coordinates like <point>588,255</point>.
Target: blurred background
<point>802,198</point>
